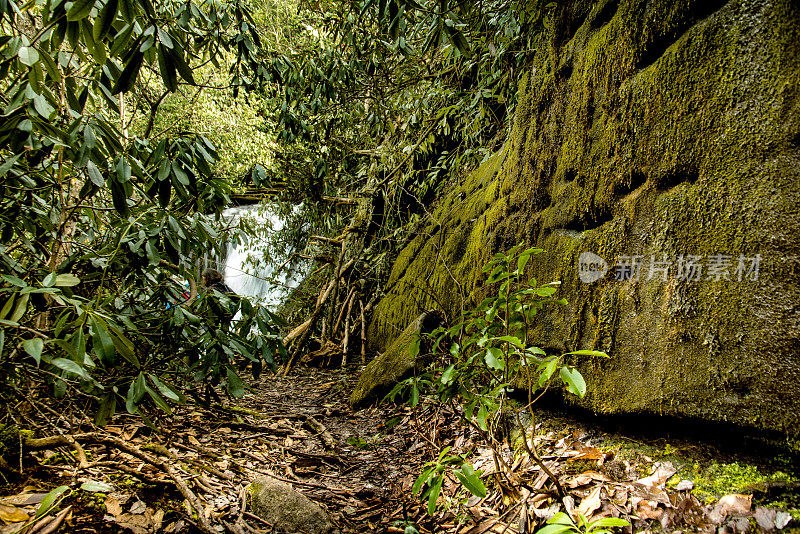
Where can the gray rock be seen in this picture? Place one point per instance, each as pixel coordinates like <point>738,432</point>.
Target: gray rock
<point>395,364</point>
<point>289,511</point>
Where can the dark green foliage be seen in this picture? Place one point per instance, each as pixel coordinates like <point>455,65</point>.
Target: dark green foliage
<point>101,226</point>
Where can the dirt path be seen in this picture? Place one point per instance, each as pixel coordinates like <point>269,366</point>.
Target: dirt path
<point>351,462</point>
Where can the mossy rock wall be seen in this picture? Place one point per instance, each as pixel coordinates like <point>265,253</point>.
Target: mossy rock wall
<point>644,128</point>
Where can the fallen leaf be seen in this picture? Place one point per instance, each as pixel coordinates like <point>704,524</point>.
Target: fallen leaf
<point>97,487</point>
<point>590,503</point>
<point>782,519</point>
<point>684,485</point>
<point>663,472</point>
<point>766,518</point>
<point>23,499</point>
<point>587,453</point>
<point>12,514</point>
<point>734,504</point>
<point>648,510</point>
<point>586,478</point>
<point>138,507</point>
<point>113,505</point>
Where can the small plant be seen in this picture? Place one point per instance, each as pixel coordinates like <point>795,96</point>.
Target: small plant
<point>562,523</point>
<point>429,482</point>
<point>487,356</point>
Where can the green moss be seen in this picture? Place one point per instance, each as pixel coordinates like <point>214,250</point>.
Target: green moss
<point>662,131</point>
<point>720,479</point>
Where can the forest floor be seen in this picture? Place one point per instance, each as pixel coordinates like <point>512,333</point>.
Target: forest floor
<point>360,467</point>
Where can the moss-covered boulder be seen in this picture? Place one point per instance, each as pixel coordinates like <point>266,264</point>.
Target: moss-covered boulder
<point>289,511</point>
<point>396,363</point>
<point>654,133</point>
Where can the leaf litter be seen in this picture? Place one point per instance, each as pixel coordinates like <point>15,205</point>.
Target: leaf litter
<point>189,471</point>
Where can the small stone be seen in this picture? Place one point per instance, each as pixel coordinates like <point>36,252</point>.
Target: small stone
<point>684,485</point>
<point>289,511</point>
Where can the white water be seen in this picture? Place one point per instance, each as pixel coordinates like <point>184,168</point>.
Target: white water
<point>249,265</point>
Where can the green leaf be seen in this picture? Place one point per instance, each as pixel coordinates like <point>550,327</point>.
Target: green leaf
<point>549,369</point>
<point>183,68</point>
<point>483,414</point>
<point>179,173</point>
<point>166,391</point>
<point>42,107</point>
<point>414,346</point>
<point>19,311</point>
<point>108,406</point>
<point>94,174</point>
<point>574,381</point>
<point>28,55</point>
<point>49,500</point>
<point>447,375</point>
<point>67,280</point>
<point>555,529</point>
<point>235,385</point>
<point>608,522</point>
<point>123,170</point>
<point>119,198</point>
<point>125,347</point>
<point>433,496</point>
<point>50,66</point>
<point>8,164</point>
<point>7,307</point>
<point>589,353</point>
<point>157,399</point>
<point>471,480</point>
<point>104,21</point>
<point>422,479</point>
<point>167,68</point>
<point>546,291</point>
<point>34,348</point>
<point>511,339</point>
<point>103,342</point>
<point>414,400</point>
<point>128,76</point>
<point>71,367</point>
<point>494,358</point>
<point>139,388</point>
<point>93,486</point>
<point>80,9</point>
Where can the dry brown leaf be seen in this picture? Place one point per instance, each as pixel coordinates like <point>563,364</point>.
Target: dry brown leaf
<point>23,499</point>
<point>590,503</point>
<point>138,524</point>
<point>734,504</point>
<point>587,453</point>
<point>648,510</point>
<point>662,473</point>
<point>12,514</point>
<point>766,518</point>
<point>586,478</point>
<point>138,508</point>
<point>113,504</point>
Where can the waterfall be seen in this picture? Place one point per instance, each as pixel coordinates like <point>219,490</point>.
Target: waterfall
<point>249,264</point>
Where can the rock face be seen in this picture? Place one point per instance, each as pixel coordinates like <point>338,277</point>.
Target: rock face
<point>395,364</point>
<point>653,133</point>
<point>289,511</point>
